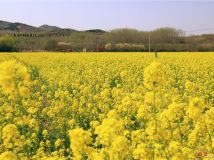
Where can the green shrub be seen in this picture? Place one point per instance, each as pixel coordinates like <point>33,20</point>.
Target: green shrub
<point>51,45</point>
<point>7,44</point>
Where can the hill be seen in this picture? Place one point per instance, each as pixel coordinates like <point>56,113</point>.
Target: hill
<point>25,28</point>
<point>18,27</point>
<point>46,27</point>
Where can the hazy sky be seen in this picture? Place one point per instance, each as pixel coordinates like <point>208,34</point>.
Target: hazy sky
<point>195,16</point>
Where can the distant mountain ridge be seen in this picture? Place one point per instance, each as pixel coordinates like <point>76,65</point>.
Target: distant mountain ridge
<point>48,27</point>
<point>18,27</point>
<point>4,24</point>
<point>21,27</point>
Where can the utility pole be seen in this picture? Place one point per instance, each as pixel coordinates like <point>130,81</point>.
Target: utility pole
<point>97,41</point>
<point>149,41</point>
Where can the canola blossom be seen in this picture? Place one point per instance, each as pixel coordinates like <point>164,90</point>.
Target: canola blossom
<point>106,106</point>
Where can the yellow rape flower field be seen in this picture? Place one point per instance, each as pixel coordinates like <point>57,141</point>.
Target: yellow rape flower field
<point>106,106</point>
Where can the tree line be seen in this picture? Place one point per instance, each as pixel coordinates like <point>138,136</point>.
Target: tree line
<point>162,39</point>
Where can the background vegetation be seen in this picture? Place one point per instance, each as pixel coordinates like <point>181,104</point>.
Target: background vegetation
<point>163,39</point>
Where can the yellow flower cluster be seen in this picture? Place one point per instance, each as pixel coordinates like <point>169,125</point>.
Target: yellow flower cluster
<point>14,77</point>
<point>106,106</point>
<point>80,140</point>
